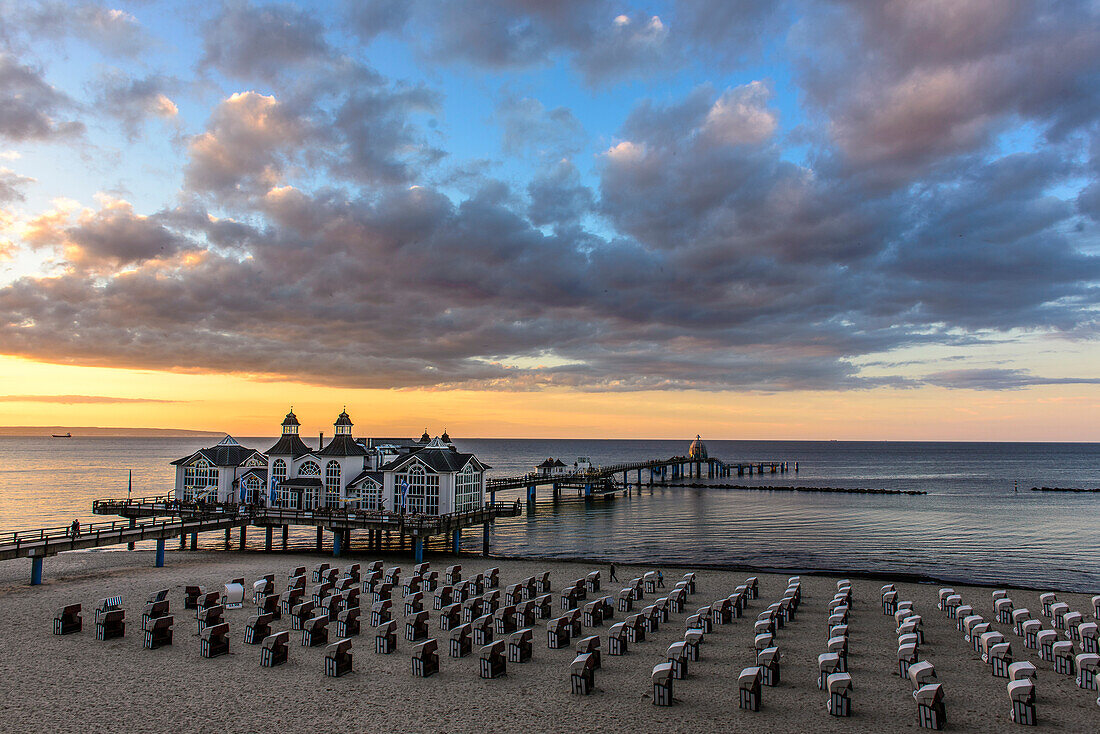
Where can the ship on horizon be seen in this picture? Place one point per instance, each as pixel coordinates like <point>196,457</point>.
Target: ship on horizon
<point>61,435</point>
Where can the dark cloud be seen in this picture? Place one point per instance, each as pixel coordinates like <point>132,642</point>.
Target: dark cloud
<point>558,196</point>
<point>111,31</point>
<point>999,379</point>
<point>29,106</point>
<point>133,100</point>
<point>906,83</point>
<point>247,41</point>
<point>11,186</point>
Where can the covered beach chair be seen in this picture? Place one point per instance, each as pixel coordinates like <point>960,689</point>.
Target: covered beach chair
<point>492,663</point>
<point>425,659</point>
<point>347,623</point>
<point>617,639</point>
<point>827,664</point>
<point>840,694</point>
<point>67,620</point>
<point>338,658</point>
<point>748,685</point>
<point>582,674</point>
<point>662,677</point>
<point>1021,693</point>
<point>460,641</point>
<point>768,662</point>
<point>257,629</point>
<point>590,646</point>
<point>482,629</point>
<point>275,649</point>
<point>214,641</point>
<point>520,646</point>
<point>158,632</point>
<point>315,632</point>
<point>921,674</point>
<point>931,713</point>
<point>385,638</point>
<point>1088,664</point>
<point>110,624</point>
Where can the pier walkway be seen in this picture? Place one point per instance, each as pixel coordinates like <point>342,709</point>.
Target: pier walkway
<point>604,481</point>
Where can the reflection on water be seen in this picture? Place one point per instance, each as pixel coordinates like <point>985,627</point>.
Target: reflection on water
<point>971,525</point>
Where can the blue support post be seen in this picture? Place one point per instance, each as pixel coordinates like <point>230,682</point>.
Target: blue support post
<point>588,490</point>
<point>160,553</point>
<point>36,570</point>
<point>456,541</point>
<point>338,542</point>
<point>531,494</point>
<point>418,548</point>
<point>133,522</point>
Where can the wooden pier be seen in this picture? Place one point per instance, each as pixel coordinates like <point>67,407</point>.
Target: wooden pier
<point>603,481</point>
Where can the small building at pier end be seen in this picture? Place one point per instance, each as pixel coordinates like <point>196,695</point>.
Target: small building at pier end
<point>429,476</point>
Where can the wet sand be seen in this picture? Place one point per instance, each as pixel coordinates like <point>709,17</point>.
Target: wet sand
<point>74,683</point>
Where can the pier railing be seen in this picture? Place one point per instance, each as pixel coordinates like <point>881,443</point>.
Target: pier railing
<point>336,517</point>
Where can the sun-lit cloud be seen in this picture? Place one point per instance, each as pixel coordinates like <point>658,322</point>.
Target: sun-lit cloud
<point>597,200</point>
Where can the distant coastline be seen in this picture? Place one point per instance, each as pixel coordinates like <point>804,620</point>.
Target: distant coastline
<point>88,431</point>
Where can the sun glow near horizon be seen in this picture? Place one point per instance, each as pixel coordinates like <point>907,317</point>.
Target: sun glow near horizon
<point>40,394</point>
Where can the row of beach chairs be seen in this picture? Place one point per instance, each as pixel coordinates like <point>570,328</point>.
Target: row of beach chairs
<point>832,666</point>
<point>927,691</point>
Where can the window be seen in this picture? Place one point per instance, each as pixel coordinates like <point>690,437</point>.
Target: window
<point>332,484</point>
<point>370,495</point>
<point>309,469</point>
<point>251,486</point>
<point>468,492</point>
<point>200,481</point>
<point>423,494</point>
<point>283,497</point>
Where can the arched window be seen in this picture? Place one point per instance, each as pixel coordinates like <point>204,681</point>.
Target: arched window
<point>309,469</point>
<point>332,483</point>
<point>252,489</point>
<point>423,491</point>
<point>278,471</point>
<point>468,491</point>
<point>370,495</point>
<point>199,479</point>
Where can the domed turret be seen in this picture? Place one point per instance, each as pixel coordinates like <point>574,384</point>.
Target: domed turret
<point>343,424</point>
<point>698,450</point>
<point>445,437</point>
<point>290,424</point>
<point>425,438</point>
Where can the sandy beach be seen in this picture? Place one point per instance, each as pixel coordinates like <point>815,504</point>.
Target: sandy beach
<point>74,683</point>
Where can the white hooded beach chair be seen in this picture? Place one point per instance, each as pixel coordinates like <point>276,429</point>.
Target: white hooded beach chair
<point>931,713</point>
<point>1087,667</point>
<point>840,694</point>
<point>1022,695</point>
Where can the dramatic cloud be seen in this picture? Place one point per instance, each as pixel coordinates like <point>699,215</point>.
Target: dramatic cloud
<point>249,139</point>
<point>11,185</point>
<point>29,106</point>
<point>906,82</point>
<point>933,179</point>
<point>248,42</point>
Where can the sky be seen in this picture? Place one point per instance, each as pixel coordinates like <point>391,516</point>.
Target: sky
<point>742,218</point>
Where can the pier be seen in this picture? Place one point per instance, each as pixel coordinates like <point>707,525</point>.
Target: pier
<point>604,481</point>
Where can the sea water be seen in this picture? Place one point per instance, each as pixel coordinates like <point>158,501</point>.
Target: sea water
<point>970,526</point>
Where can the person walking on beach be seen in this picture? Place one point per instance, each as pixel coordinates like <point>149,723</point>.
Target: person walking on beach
<point>660,579</point>
<point>613,576</point>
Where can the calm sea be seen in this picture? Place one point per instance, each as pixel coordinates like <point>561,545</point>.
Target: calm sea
<point>971,526</point>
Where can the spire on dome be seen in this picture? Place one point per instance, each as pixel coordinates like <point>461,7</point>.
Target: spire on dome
<point>425,438</point>
<point>445,438</point>
<point>290,423</point>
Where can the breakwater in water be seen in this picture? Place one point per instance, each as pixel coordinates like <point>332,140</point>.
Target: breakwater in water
<point>783,488</point>
<point>1064,489</point>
